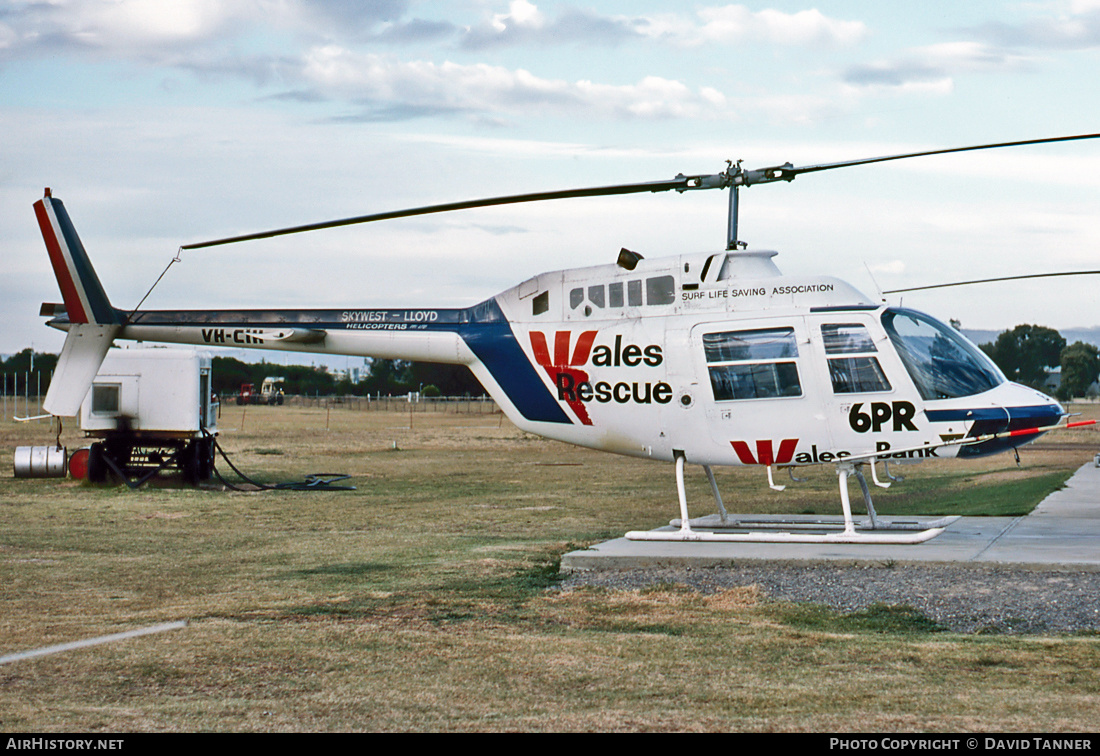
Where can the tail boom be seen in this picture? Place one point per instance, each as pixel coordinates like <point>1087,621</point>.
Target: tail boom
<point>480,337</point>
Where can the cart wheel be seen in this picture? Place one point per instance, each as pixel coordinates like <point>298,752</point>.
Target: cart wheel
<point>205,450</point>
<point>190,464</point>
<point>97,468</point>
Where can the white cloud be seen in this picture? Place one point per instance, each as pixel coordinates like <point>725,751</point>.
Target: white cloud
<point>379,81</point>
<point>932,69</point>
<point>525,23</point>
<point>521,14</point>
<point>1059,25</point>
<point>149,29</point>
<point>276,43</point>
<point>969,56</point>
<point>152,20</point>
<point>736,23</point>
<point>126,25</point>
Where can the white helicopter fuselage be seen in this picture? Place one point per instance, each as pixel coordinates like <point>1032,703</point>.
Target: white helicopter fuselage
<point>718,357</point>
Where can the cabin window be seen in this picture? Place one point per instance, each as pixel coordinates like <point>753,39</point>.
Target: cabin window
<point>615,294</point>
<point>858,370</point>
<point>941,362</point>
<point>660,290</point>
<point>857,375</point>
<point>846,338</point>
<point>595,295</point>
<point>766,344</point>
<point>576,296</point>
<point>756,364</point>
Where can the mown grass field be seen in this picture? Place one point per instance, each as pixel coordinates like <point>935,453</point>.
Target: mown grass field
<point>424,599</point>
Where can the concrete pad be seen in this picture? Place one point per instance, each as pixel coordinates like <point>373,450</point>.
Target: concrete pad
<point>1063,533</point>
<point>1080,499</point>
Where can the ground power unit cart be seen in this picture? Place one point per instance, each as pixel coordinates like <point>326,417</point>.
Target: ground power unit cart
<point>151,409</point>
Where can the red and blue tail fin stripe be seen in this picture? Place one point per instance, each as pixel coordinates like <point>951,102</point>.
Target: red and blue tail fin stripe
<point>85,300</point>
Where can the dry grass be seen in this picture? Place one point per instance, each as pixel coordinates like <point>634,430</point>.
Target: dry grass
<point>419,601</point>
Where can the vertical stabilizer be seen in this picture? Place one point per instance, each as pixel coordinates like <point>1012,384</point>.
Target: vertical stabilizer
<point>85,300</point>
<point>93,322</point>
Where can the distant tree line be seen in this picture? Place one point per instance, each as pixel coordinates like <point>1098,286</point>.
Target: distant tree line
<point>21,363</point>
<point>1027,352</point>
<point>24,375</point>
<point>384,377</point>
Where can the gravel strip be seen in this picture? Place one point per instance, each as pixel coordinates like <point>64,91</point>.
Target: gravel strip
<point>961,599</point>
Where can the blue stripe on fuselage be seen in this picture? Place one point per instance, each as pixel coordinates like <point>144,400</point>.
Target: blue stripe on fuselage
<point>1042,414</point>
<point>989,420</point>
<point>496,346</point>
<point>489,335</point>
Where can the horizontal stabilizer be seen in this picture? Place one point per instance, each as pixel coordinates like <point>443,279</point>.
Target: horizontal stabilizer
<point>85,348</point>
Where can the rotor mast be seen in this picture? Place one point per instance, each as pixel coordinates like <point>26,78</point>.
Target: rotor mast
<point>731,224</point>
<point>733,178</point>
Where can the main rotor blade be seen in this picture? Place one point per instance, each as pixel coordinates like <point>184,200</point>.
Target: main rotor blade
<point>867,161</point>
<point>994,280</point>
<point>732,177</point>
<point>681,183</point>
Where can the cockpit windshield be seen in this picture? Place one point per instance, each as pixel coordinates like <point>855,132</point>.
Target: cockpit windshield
<point>940,361</point>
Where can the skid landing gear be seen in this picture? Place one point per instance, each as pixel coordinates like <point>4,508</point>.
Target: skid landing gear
<point>780,529</point>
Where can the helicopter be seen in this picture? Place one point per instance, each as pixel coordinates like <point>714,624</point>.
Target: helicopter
<point>712,358</point>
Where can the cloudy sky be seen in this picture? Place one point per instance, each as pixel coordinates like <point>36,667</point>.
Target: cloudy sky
<point>161,123</point>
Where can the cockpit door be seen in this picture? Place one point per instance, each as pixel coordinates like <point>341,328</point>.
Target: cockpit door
<point>869,401</point>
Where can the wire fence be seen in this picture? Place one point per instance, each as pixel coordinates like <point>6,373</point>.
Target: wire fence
<point>458,405</point>
<point>22,393</point>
